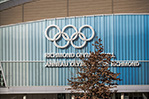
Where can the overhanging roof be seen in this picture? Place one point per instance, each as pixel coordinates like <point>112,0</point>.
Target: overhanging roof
<point>11,3</point>
<point>63,89</point>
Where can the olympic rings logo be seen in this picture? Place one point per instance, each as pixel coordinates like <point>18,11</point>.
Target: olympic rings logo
<point>66,37</point>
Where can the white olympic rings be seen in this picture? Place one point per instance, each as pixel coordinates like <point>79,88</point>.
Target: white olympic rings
<point>66,37</point>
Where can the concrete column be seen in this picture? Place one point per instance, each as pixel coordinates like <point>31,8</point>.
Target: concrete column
<point>144,96</point>
<point>24,97</point>
<point>72,97</point>
<point>113,96</point>
<point>122,95</point>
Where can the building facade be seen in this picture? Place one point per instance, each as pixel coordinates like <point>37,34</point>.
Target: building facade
<point>38,56</point>
<point>16,11</point>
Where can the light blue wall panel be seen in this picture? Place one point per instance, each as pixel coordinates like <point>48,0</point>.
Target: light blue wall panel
<point>131,38</point>
<point>23,42</point>
<point>23,46</point>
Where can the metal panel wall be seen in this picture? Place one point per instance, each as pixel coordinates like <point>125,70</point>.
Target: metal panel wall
<point>131,43</point>
<point>23,46</point>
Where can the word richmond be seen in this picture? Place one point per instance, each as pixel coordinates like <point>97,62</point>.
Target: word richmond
<point>66,55</point>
